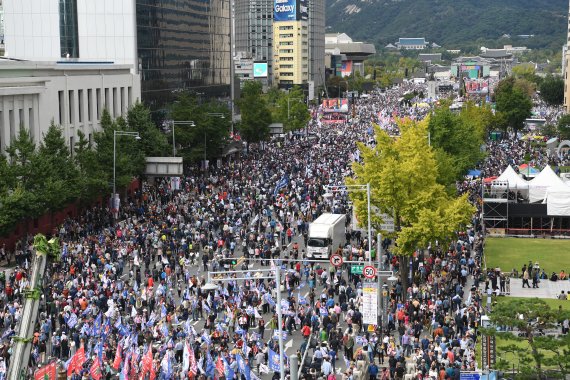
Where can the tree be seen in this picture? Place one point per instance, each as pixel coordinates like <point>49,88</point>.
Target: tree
<point>457,139</point>
<point>513,103</point>
<point>564,127</point>
<point>423,211</point>
<point>59,173</point>
<point>209,133</point>
<point>526,318</point>
<point>153,143</point>
<point>130,157</point>
<point>292,110</point>
<point>92,179</point>
<point>552,90</point>
<point>255,114</point>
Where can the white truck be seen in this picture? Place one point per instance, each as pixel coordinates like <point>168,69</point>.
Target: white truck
<point>326,233</point>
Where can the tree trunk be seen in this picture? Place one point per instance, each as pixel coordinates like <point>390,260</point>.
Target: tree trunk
<point>404,272</point>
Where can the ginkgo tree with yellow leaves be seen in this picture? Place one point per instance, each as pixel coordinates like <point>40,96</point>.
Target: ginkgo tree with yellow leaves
<point>403,176</point>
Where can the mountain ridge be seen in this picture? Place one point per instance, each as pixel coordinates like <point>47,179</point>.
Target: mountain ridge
<point>452,23</point>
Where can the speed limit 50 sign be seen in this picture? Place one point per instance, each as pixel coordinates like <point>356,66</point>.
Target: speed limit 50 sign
<point>369,271</point>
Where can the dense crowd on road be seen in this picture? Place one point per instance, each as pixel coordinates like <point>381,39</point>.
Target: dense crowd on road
<point>131,295</point>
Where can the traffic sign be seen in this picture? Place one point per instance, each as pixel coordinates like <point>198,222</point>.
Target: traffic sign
<point>336,260</point>
<point>369,271</point>
<point>356,269</point>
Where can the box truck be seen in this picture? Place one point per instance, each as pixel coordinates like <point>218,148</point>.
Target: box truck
<point>326,233</point>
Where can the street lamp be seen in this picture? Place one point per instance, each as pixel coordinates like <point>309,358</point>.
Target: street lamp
<point>332,189</point>
<point>289,105</point>
<point>173,123</point>
<point>115,134</point>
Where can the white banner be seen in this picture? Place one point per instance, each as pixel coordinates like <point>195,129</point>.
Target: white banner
<point>370,303</point>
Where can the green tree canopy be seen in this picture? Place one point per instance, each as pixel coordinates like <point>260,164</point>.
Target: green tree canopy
<point>210,132</point>
<point>255,114</point>
<point>457,139</point>
<point>292,110</point>
<point>526,317</point>
<point>552,90</point>
<point>564,127</point>
<point>403,176</point>
<point>513,103</point>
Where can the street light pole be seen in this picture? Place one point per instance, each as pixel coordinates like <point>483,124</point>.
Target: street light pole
<point>115,134</point>
<point>360,188</point>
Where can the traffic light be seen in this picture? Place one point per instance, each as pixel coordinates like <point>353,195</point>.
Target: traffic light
<point>234,261</point>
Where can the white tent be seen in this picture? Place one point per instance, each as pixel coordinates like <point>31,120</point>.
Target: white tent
<point>539,185</point>
<point>512,178</point>
<point>558,200</point>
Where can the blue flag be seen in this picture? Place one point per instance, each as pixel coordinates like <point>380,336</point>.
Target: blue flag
<point>273,362</point>
<point>163,311</point>
<point>96,331</point>
<point>283,182</point>
<point>228,371</point>
<point>72,320</point>
<point>206,338</point>
<point>210,368</point>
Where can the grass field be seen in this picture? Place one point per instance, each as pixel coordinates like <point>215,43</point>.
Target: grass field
<point>508,253</point>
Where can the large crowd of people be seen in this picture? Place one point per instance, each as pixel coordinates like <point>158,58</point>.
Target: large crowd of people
<point>129,296</point>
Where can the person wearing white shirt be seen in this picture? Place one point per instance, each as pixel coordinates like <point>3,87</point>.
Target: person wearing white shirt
<point>326,367</point>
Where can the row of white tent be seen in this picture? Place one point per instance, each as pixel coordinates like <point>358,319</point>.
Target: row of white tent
<point>546,187</point>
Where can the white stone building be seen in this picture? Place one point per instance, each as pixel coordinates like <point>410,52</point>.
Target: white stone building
<point>72,94</point>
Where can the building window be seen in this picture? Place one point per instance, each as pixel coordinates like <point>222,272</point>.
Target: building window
<point>107,105</point>
<point>81,104</point>
<point>89,106</point>
<point>31,121</point>
<point>122,90</point>
<point>61,106</point>
<point>68,31</point>
<point>98,100</point>
<point>115,102</point>
<point>71,145</point>
<point>12,125</point>
<point>129,96</point>
<point>71,107</point>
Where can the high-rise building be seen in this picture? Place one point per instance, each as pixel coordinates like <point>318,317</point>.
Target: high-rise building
<point>174,44</point>
<point>254,31</point>
<point>316,13</point>
<point>566,66</point>
<point>263,33</point>
<point>290,43</point>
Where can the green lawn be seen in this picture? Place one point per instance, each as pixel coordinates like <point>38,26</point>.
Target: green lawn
<point>508,253</point>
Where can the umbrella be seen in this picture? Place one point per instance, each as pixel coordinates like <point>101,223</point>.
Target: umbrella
<point>528,170</point>
<point>474,173</point>
<point>490,179</point>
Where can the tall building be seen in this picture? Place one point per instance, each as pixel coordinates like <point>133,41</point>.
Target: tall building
<point>254,32</point>
<point>256,38</point>
<point>290,43</point>
<point>566,66</point>
<point>316,13</point>
<point>174,44</point>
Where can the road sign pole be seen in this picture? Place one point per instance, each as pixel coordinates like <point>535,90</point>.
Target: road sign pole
<point>279,320</point>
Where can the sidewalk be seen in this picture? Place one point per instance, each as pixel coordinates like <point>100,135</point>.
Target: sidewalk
<point>547,289</point>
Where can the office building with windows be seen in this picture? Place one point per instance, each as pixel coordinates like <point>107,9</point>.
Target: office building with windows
<point>72,95</point>
<point>254,32</point>
<point>174,45</point>
<point>258,37</point>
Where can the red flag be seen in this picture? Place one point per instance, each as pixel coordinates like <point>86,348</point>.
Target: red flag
<point>80,357</point>
<point>49,370</point>
<point>147,362</point>
<point>118,357</point>
<point>71,366</point>
<point>220,366</point>
<point>77,361</point>
<point>152,372</point>
<point>193,365</point>
<point>95,370</point>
